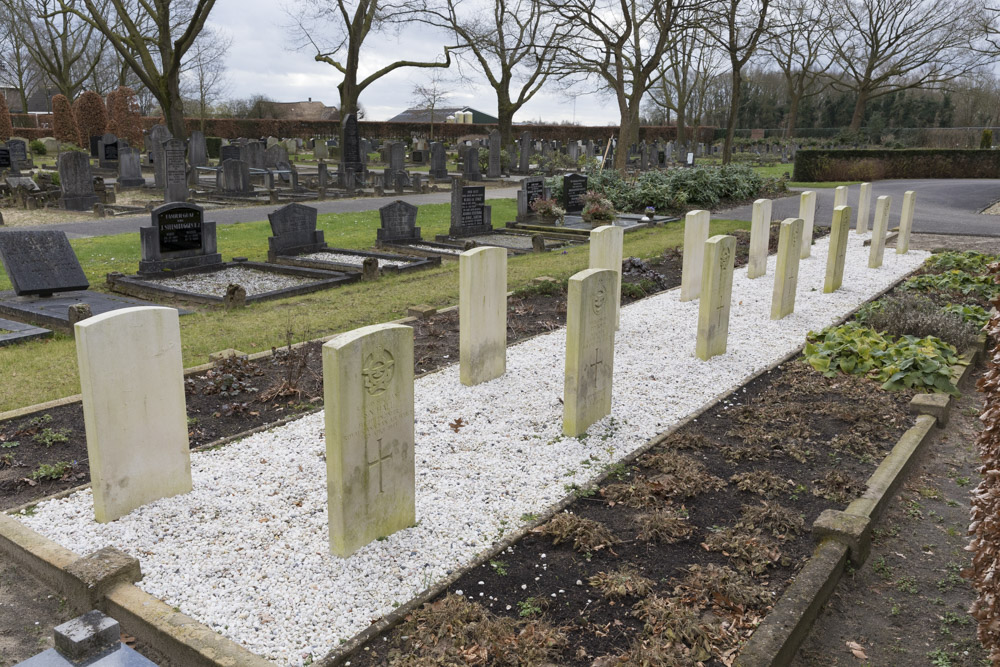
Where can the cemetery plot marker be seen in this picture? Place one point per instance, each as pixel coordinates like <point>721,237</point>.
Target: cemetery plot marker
<point>695,236</point>
<point>786,274</point>
<point>837,253</point>
<point>718,259</point>
<point>590,349</point>
<point>905,222</point>
<point>399,221</point>
<point>760,236</point>
<point>469,213</point>
<point>178,238</point>
<point>574,191</point>
<point>840,196</point>
<point>132,381</point>
<point>76,182</point>
<point>482,313</point>
<point>41,263</point>
<point>879,229</point>
<point>864,208</point>
<point>606,253</point>
<point>807,213</point>
<point>175,171</point>
<point>368,391</point>
<point>294,229</point>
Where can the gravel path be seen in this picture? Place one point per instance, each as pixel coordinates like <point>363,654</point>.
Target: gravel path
<point>246,552</point>
<point>253,281</point>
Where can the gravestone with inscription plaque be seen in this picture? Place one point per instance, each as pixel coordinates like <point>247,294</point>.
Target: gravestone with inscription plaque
<point>107,151</point>
<point>590,349</point>
<point>76,182</point>
<point>179,238</point>
<point>294,229</point>
<point>18,153</point>
<point>175,171</point>
<point>41,262</point>
<point>532,189</point>
<point>399,221</point>
<point>469,214</point>
<point>574,191</point>
<point>368,394</point>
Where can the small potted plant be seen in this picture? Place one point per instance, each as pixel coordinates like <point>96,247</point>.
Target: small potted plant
<point>598,210</point>
<point>548,209</point>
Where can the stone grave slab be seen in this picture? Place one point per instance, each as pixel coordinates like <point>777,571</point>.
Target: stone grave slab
<point>27,182</point>
<point>18,151</point>
<point>532,189</point>
<point>294,229</point>
<point>76,182</point>
<point>606,243</point>
<point>368,393</point>
<point>53,312</point>
<point>12,332</point>
<point>41,263</point>
<point>230,152</point>
<point>178,238</point>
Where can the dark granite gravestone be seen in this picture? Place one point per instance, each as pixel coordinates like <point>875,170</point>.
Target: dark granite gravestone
<point>18,151</point>
<point>154,146</point>
<point>26,182</point>
<point>574,191</point>
<point>5,159</point>
<point>93,640</point>
<point>294,229</point>
<point>469,213</point>
<point>41,263</point>
<point>178,238</point>
<point>532,189</point>
<point>253,154</point>
<point>95,143</point>
<point>418,156</point>
<point>525,152</point>
<point>197,149</point>
<point>439,166</point>
<point>76,182</point>
<point>230,152</point>
<point>175,171</point>
<point>233,178</point>
<point>399,221</point>
<point>107,151</point>
<point>129,169</point>
<point>18,332</point>
<point>470,164</point>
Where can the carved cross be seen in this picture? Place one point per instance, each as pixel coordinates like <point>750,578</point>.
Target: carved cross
<point>379,458</point>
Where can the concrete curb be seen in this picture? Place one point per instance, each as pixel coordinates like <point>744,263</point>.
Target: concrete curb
<point>845,537</point>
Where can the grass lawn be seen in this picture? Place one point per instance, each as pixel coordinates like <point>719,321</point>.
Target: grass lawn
<point>45,370</point>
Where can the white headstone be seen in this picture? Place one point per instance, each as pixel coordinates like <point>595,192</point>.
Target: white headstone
<point>482,313</point>
<point>606,253</point>
<point>840,196</point>
<point>368,394</point>
<point>590,349</point>
<point>132,381</point>
<point>760,237</point>
<point>807,213</point>
<point>695,235</point>
<point>837,253</point>
<point>864,208</point>
<point>906,222</point>
<point>786,273</point>
<point>879,229</point>
<point>717,297</point>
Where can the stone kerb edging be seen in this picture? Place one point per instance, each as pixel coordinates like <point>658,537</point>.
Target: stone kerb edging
<point>845,536</point>
<point>178,635</point>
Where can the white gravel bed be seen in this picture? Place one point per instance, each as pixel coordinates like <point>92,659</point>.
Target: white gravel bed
<point>504,240</point>
<point>438,249</point>
<point>353,260</point>
<point>246,552</point>
<point>254,281</point>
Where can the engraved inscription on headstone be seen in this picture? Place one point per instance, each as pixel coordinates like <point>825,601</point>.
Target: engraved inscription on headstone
<point>230,152</point>
<point>178,238</point>
<point>18,151</point>
<point>574,191</point>
<point>175,171</point>
<point>399,221</point>
<point>41,262</point>
<point>469,214</point>
<point>294,229</point>
<point>473,201</point>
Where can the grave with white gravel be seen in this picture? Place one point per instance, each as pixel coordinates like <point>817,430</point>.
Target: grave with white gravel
<point>254,281</point>
<point>246,551</point>
<point>352,260</point>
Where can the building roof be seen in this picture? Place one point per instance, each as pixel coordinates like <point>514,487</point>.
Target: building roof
<point>440,114</point>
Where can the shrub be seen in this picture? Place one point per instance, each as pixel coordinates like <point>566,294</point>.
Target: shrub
<point>91,116</point>
<point>6,127</point>
<point>915,315</point>
<point>64,126</point>
<point>123,116</point>
<point>986,141</point>
<point>37,147</point>
<point>868,165</point>
<point>213,146</point>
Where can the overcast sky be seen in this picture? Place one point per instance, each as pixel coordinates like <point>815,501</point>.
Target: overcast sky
<point>261,62</point>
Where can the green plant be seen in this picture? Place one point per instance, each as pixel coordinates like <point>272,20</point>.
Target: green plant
<point>970,313</point>
<point>549,208</point>
<point>10,445</point>
<point>41,420</point>
<point>916,315</point>
<point>908,362</point>
<point>499,566</point>
<point>54,472</point>
<point>907,585</point>
<point>37,147</point>
<point>979,287</point>
<point>598,208</point>
<point>529,607</point>
<point>986,139</point>
<point>52,436</point>
<point>968,261</point>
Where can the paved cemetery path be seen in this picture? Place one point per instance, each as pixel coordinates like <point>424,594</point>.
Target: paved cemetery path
<point>944,206</point>
<point>229,216</point>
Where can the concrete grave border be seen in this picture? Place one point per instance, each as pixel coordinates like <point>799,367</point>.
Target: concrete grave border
<point>20,332</point>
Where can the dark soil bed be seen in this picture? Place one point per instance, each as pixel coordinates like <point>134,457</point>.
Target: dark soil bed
<point>50,454</point>
<point>676,558</point>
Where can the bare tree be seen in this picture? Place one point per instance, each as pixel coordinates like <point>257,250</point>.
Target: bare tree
<point>621,43</point>
<point>204,72</point>
<point>153,38</point>
<point>430,95</point>
<point>17,69</point>
<point>885,46</point>
<point>337,29</point>
<point>66,49</point>
<point>739,27</point>
<point>798,43</point>
<point>513,48</point>
<point>688,66</point>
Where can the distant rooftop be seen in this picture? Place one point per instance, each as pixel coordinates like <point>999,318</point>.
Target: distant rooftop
<point>308,110</point>
<point>440,115</point>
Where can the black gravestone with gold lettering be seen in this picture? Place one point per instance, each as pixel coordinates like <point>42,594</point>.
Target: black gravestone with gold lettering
<point>179,238</point>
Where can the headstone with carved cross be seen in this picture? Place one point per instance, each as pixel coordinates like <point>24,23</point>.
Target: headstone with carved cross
<point>590,349</point>
<point>837,253</point>
<point>695,236</point>
<point>880,227</point>
<point>786,272</point>
<point>482,314</point>
<point>807,213</point>
<point>368,392</point>
<point>716,298</point>
<point>606,253</point>
<point>760,237</point>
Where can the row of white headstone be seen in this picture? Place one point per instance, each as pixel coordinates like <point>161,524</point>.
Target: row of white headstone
<point>131,376</point>
<point>707,271</point>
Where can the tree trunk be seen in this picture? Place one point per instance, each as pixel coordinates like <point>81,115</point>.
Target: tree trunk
<point>859,110</point>
<point>348,100</point>
<point>793,113</point>
<point>734,109</point>
<point>628,134</point>
<point>681,124</point>
<point>505,118</point>
<point>173,107</point>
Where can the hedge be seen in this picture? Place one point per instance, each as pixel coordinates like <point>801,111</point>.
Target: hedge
<point>873,165</point>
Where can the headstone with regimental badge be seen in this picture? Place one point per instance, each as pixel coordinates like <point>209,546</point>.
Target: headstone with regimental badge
<point>590,349</point>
